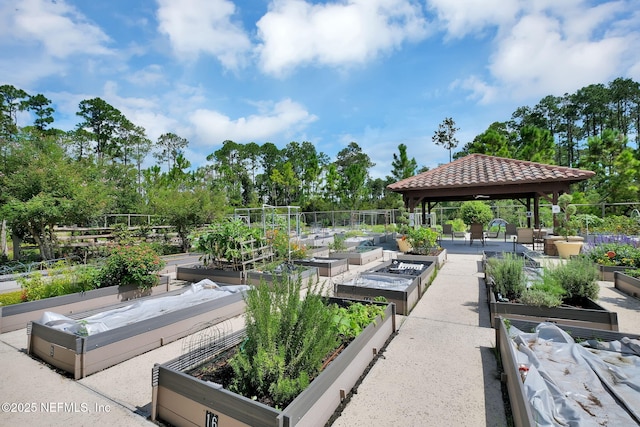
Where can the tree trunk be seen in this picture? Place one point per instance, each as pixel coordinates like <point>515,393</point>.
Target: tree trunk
<point>4,249</point>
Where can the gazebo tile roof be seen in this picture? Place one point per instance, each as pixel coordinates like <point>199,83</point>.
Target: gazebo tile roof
<point>480,170</point>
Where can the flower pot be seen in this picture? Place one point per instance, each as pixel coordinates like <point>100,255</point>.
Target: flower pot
<point>567,249</point>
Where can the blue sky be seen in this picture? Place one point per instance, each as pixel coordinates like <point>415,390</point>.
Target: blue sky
<point>377,72</point>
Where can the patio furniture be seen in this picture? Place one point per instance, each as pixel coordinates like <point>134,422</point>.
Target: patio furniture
<point>525,236</point>
<point>476,232</point>
<point>447,229</point>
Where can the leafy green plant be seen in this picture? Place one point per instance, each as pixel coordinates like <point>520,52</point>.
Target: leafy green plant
<point>422,239</point>
<point>62,279</point>
<point>457,224</point>
<point>475,211</point>
<point>131,265</point>
<point>508,275</point>
<point>10,298</point>
<point>578,276</point>
<point>338,243</point>
<point>227,242</point>
<point>351,320</point>
<point>567,224</point>
<point>547,292</point>
<point>287,338</point>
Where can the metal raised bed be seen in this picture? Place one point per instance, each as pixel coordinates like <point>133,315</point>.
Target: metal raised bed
<point>627,284</point>
<point>579,402</point>
<point>183,400</point>
<point>424,271</point>
<point>403,291</point>
<point>308,275</point>
<point>17,316</point>
<point>327,267</point>
<point>359,256</point>
<point>81,354</point>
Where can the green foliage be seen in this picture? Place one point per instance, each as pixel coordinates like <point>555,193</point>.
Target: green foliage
<point>567,224</point>
<point>351,320</point>
<point>547,292</point>
<point>62,279</point>
<point>619,225</point>
<point>614,254</point>
<point>422,239</point>
<point>475,211</point>
<point>457,224</point>
<point>287,339</point>
<point>508,275</point>
<point>226,242</point>
<point>131,265</point>
<point>578,276</point>
<point>10,298</point>
<point>338,243</point>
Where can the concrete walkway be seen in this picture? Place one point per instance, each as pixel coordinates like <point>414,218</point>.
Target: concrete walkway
<point>440,369</point>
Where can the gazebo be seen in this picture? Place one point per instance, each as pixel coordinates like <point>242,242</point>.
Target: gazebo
<point>482,177</point>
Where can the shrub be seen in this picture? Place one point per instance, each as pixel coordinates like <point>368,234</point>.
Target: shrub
<point>422,239</point>
<point>578,277</point>
<point>457,224</point>
<point>131,265</point>
<point>508,275</point>
<point>287,339</point>
<point>475,212</point>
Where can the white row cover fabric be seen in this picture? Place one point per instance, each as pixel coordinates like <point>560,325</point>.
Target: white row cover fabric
<point>198,293</point>
<point>578,384</point>
<point>378,281</point>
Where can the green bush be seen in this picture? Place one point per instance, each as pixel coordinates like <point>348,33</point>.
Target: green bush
<point>287,339</point>
<point>457,224</point>
<point>578,276</point>
<point>131,265</point>
<point>422,239</point>
<point>475,211</point>
<point>508,275</point>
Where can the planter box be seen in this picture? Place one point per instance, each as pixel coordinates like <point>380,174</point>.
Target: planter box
<point>424,271</point>
<point>327,267</point>
<point>83,355</point>
<point>181,400</point>
<point>627,284</point>
<point>403,291</point>
<point>594,316</point>
<point>318,251</point>
<point>369,254</point>
<point>17,316</point>
<point>309,275</point>
<point>521,407</point>
<point>607,271</point>
<point>197,272</point>
<point>438,259</point>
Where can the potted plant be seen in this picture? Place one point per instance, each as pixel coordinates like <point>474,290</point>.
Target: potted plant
<point>567,228</point>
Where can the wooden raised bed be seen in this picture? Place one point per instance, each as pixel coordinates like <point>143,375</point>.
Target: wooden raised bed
<point>521,408</point>
<point>197,272</point>
<point>439,259</point>
<point>309,275</point>
<point>183,400</point>
<point>627,284</point>
<point>404,291</point>
<point>359,257</point>
<point>327,267</point>
<point>17,316</point>
<point>84,355</point>
<point>592,316</point>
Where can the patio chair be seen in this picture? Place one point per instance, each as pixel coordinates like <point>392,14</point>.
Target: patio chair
<point>476,232</point>
<point>525,236</point>
<point>510,230</point>
<point>447,229</point>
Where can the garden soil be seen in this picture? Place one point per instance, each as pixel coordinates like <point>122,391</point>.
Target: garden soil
<point>439,370</point>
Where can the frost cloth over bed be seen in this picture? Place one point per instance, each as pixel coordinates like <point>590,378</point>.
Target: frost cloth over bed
<point>591,383</point>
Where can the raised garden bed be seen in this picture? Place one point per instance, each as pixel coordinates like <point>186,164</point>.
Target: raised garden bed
<point>360,255</point>
<point>197,272</point>
<point>17,316</point>
<point>607,271</point>
<point>181,399</point>
<point>585,313</point>
<point>571,395</point>
<point>327,267</point>
<point>627,284</point>
<point>71,345</point>
<point>424,271</point>
<point>317,251</point>
<point>438,257</point>
<point>402,290</point>
<point>309,275</point>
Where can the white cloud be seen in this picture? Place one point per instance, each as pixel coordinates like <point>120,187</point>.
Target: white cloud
<point>204,26</point>
<point>295,32</point>
<point>56,26</point>
<point>147,76</point>
<point>213,127</point>
<point>461,18</point>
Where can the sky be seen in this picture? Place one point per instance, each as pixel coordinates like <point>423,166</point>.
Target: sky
<point>376,72</point>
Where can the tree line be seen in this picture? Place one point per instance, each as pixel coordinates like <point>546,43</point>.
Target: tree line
<point>50,177</point>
